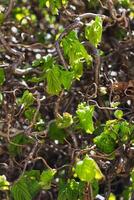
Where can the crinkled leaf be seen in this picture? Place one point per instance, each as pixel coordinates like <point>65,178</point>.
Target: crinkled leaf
<point>105,143</point>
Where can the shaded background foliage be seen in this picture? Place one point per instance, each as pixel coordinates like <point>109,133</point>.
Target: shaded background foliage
<point>41,125</point>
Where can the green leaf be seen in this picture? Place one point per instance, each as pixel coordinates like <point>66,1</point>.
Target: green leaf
<point>105,142</point>
<point>118,114</point>
<point>20,191</point>
<point>66,78</point>
<point>2,76</point>
<point>4,184</point>
<point>64,121</point>
<point>27,99</point>
<point>76,53</point>
<point>93,31</point>
<point>27,186</point>
<point>46,178</point>
<point>85,115</point>
<point>71,190</point>
<point>56,133</point>
<point>32,178</point>
<point>87,170</point>
<point>53,81</point>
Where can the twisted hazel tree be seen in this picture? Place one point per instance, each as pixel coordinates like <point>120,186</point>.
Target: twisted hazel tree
<point>66,100</point>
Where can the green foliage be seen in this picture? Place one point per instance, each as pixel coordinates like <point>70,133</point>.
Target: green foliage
<point>2,76</point>
<point>64,121</point>
<point>76,53</point>
<point>56,133</point>
<point>46,178</point>
<point>57,78</point>
<point>72,190</point>
<point>114,131</point>
<point>31,28</point>
<point>4,184</point>
<point>93,31</point>
<point>105,142</point>
<point>20,191</point>
<point>27,99</point>
<point>87,170</point>
<point>85,115</point>
<point>30,183</point>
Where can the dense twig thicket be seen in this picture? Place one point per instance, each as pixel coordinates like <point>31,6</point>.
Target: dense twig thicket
<point>66,99</point>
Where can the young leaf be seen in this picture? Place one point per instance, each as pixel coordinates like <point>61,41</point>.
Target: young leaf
<point>64,121</point>
<point>46,178</point>
<point>85,115</point>
<point>93,31</point>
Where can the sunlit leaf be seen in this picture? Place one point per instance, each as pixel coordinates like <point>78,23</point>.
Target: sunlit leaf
<point>88,170</point>
<point>46,178</point>
<point>85,115</point>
